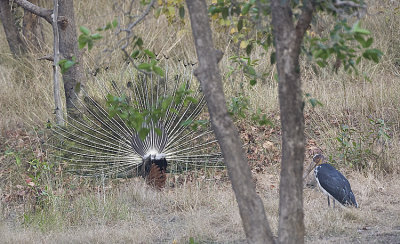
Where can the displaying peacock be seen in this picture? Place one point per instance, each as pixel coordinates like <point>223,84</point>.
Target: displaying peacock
<point>139,126</point>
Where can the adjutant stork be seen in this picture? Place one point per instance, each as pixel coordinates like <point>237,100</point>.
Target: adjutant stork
<point>333,183</point>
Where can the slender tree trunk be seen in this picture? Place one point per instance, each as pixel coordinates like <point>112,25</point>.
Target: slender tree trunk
<point>32,29</point>
<point>15,42</point>
<point>56,81</point>
<point>288,38</point>
<point>72,78</point>
<point>251,207</point>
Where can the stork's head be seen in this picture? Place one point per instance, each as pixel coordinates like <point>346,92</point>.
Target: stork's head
<point>318,159</point>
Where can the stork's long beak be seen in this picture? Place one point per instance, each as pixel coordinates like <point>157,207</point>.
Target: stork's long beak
<point>310,168</point>
<point>317,159</point>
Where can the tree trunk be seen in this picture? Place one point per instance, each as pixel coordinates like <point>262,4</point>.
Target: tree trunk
<point>251,207</point>
<point>56,81</point>
<point>72,78</point>
<point>15,42</point>
<point>288,38</point>
<point>32,29</point>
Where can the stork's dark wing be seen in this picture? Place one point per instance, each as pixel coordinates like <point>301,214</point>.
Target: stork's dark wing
<point>335,184</point>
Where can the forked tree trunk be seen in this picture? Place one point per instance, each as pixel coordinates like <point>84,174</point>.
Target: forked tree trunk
<point>251,207</point>
<point>15,42</point>
<point>72,78</point>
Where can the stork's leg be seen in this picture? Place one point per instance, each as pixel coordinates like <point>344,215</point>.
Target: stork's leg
<point>333,203</point>
<point>329,203</point>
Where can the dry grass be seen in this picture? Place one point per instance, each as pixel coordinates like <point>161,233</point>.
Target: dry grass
<point>205,210</point>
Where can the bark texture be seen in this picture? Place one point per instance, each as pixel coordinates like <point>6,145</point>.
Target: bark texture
<point>15,42</point>
<point>72,78</point>
<point>251,207</point>
<point>288,38</point>
<point>42,12</point>
<point>68,42</point>
<point>32,29</point>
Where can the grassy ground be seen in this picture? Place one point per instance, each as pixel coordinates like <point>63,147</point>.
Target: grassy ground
<point>58,208</point>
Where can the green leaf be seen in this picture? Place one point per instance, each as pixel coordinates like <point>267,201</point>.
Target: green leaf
<point>84,30</point>
<point>135,54</point>
<point>186,122</point>
<point>357,29</point>
<point>90,44</point>
<point>145,66</point>
<point>149,53</point>
<point>249,48</point>
<point>66,64</point>
<point>182,12</point>
<point>115,23</point>
<point>96,36</point>
<point>82,40</point>
<point>240,25</point>
<point>139,42</point>
<point>321,64</point>
<point>273,58</point>
<point>225,13</point>
<point>253,82</point>
<point>246,8</point>
<point>360,40</point>
<point>369,42</point>
<point>143,132</point>
<point>158,131</point>
<point>251,71</point>
<point>213,10</point>
<point>159,71</point>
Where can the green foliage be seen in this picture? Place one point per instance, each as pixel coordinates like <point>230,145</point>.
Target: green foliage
<point>152,65</point>
<point>246,65</point>
<point>173,10</point>
<point>348,44</point>
<point>192,241</point>
<point>262,119</point>
<point>66,64</point>
<point>358,147</point>
<point>137,119</point>
<point>86,38</point>
<point>247,26</point>
<point>108,26</point>
<point>239,107</point>
<point>313,101</point>
<point>16,157</point>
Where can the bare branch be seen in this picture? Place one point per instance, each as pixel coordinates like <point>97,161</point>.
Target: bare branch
<point>304,20</point>
<point>340,3</point>
<point>39,11</point>
<point>47,57</point>
<point>125,42</point>
<point>56,59</point>
<point>340,7</point>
